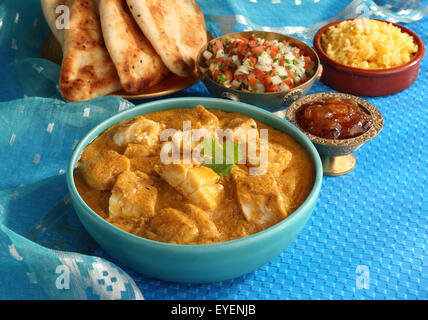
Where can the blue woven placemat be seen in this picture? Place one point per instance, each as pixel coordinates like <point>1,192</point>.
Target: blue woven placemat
<point>367,238</point>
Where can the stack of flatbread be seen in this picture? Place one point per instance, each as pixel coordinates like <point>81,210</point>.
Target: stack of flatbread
<point>124,44</point>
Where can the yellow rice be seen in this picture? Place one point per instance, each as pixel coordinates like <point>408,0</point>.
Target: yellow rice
<point>368,44</point>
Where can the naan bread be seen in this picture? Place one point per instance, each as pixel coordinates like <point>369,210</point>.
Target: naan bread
<point>87,70</point>
<point>176,29</point>
<point>49,11</point>
<point>137,63</point>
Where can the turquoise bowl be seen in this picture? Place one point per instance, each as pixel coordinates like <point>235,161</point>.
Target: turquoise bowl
<point>196,263</point>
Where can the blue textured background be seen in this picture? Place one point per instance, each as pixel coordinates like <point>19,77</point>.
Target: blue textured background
<point>375,216</point>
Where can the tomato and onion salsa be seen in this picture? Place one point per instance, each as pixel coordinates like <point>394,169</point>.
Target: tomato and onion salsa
<point>334,118</point>
<point>256,65</point>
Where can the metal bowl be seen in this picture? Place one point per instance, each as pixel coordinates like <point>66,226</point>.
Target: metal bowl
<point>337,156</point>
<point>272,101</point>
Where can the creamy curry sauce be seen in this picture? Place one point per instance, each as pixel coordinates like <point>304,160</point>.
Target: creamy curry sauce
<point>120,176</point>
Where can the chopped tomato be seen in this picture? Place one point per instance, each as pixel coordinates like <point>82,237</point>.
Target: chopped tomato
<point>228,49</point>
<point>225,65</point>
<point>295,52</point>
<point>288,82</point>
<point>272,88</point>
<point>308,63</point>
<point>241,76</point>
<point>217,60</point>
<point>266,81</point>
<point>267,43</point>
<point>252,81</point>
<point>243,49</point>
<point>259,74</point>
<point>258,49</point>
<point>273,51</point>
<point>215,74</point>
<point>218,45</point>
<point>281,61</point>
<point>243,39</point>
<point>229,75</point>
<point>253,59</point>
<point>291,74</point>
<point>252,43</point>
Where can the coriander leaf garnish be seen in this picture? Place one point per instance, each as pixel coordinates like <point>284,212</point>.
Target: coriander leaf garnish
<point>220,78</point>
<point>221,158</point>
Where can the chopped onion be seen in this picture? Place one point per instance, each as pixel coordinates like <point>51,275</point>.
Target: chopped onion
<point>260,87</point>
<point>242,69</point>
<point>235,60</point>
<point>265,59</point>
<point>236,83</point>
<point>219,54</point>
<point>280,71</point>
<point>263,67</point>
<point>275,80</point>
<point>283,87</point>
<point>207,55</point>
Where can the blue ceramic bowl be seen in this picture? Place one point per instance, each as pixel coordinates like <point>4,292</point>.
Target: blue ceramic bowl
<point>196,263</point>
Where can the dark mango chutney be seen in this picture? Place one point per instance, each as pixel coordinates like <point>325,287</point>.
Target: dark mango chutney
<point>334,118</point>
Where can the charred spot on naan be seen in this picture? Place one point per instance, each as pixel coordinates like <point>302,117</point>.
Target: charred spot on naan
<point>86,86</point>
<point>137,84</point>
<point>134,86</point>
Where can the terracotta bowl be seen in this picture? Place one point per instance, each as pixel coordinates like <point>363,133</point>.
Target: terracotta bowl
<point>363,82</point>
